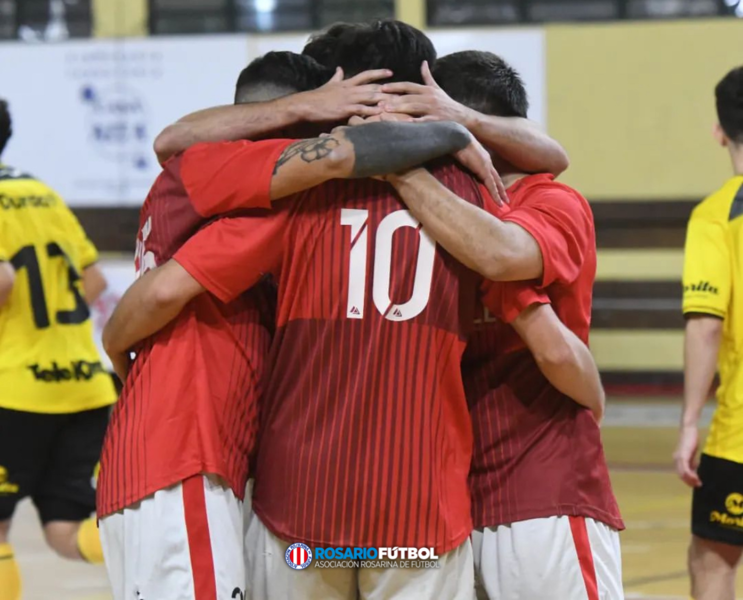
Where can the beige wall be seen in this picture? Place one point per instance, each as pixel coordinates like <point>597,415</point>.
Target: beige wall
<point>633,103</point>
<point>120,18</point>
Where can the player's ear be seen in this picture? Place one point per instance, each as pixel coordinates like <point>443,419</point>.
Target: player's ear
<point>719,135</point>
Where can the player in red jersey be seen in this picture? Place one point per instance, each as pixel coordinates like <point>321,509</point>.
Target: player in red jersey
<point>546,517</point>
<point>174,463</point>
<point>343,327</point>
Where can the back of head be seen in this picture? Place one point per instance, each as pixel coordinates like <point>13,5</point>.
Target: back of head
<point>278,74</point>
<point>729,99</point>
<point>386,44</point>
<point>484,82</point>
<point>6,125</point>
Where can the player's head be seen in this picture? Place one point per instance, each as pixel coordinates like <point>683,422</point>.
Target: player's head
<point>484,82</point>
<point>6,125</point>
<point>279,74</point>
<point>729,98</point>
<point>386,44</point>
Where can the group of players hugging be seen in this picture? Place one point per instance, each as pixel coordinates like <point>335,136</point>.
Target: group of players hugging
<point>361,288</point>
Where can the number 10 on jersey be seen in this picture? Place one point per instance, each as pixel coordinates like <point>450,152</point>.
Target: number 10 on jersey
<point>357,220</point>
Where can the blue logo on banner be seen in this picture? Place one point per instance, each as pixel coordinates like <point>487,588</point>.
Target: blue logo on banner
<point>117,124</point>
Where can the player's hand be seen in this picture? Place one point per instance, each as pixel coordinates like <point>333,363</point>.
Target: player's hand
<point>475,158</point>
<point>686,456</point>
<point>425,102</point>
<point>121,364</point>
<point>340,98</point>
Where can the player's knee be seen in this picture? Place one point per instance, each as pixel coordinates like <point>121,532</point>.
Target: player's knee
<point>61,536</point>
<point>4,531</point>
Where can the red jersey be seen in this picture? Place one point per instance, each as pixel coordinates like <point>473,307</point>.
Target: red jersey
<point>365,435</point>
<point>537,453</point>
<point>189,403</point>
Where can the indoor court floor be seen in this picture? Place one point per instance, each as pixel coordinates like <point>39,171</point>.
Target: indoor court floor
<point>639,437</point>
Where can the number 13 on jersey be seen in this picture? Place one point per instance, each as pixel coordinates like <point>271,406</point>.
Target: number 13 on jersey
<point>357,220</point>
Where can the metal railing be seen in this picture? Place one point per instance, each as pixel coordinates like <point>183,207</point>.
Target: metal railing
<point>51,20</point>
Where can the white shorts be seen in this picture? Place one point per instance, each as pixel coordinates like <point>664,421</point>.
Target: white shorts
<point>182,543</point>
<point>570,558</point>
<point>270,578</point>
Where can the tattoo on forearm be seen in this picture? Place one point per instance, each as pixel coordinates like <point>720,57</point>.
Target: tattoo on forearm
<point>384,148</point>
<point>308,150</point>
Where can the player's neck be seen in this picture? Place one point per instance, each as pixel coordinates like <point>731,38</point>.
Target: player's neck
<point>736,157</point>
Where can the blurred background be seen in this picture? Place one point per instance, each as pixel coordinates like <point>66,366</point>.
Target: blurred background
<point>625,85</point>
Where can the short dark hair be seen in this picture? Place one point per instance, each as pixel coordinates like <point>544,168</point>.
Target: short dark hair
<point>6,125</point>
<point>380,44</point>
<point>729,99</point>
<point>483,81</point>
<point>277,74</point>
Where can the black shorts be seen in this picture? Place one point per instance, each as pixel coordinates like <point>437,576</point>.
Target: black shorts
<point>51,458</point>
<point>717,507</point>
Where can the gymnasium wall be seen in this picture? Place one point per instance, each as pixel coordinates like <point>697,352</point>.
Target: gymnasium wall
<point>633,103</point>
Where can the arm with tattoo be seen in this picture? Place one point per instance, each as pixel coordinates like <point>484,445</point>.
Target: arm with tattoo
<point>364,151</point>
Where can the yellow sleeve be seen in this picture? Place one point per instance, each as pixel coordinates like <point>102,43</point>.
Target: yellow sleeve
<point>86,250</point>
<point>707,267</point>
<point>4,250</point>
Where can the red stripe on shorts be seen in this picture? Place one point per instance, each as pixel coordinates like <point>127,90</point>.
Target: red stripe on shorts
<point>199,540</point>
<point>585,556</point>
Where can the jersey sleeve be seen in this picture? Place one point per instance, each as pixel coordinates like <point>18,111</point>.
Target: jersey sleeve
<point>231,254</point>
<point>4,249</point>
<point>226,176</point>
<point>707,267</point>
<point>86,251</point>
<point>506,300</point>
<point>562,225</point>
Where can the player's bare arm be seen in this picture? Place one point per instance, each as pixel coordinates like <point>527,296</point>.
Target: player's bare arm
<point>152,302</point>
<point>562,357</point>
<point>497,250</point>
<point>520,142</point>
<point>701,346</point>
<point>336,101</point>
<point>7,278</point>
<point>94,283</point>
<point>376,149</point>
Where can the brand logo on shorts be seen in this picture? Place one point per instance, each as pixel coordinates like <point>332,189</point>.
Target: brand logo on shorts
<point>7,487</point>
<point>298,556</point>
<point>734,504</point>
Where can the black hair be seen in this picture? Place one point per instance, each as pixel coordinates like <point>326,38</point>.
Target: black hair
<point>277,74</point>
<point>729,99</point>
<point>483,81</point>
<point>381,44</point>
<point>6,125</point>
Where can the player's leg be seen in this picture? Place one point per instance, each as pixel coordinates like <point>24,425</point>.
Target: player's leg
<point>270,577</point>
<point>65,498</point>
<point>10,575</point>
<point>556,557</point>
<point>24,440</point>
<point>453,579</point>
<point>712,566</point>
<point>717,529</point>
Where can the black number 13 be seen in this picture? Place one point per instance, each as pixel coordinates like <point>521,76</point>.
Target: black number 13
<point>26,258</point>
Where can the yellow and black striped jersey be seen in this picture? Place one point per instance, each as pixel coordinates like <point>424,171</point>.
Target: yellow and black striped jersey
<point>48,360</point>
<point>713,285</point>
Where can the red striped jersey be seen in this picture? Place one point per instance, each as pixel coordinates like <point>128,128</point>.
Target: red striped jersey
<point>189,403</point>
<point>365,435</point>
<point>537,453</point>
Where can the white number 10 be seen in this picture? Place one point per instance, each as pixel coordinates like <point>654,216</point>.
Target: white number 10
<point>357,219</point>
